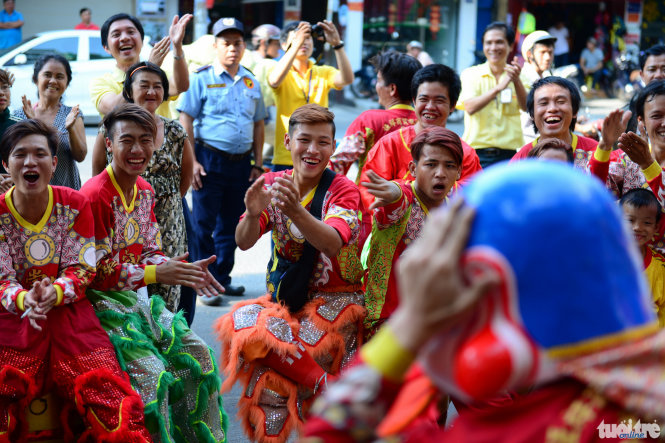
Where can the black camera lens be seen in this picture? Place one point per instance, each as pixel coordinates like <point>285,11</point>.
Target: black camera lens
<point>317,32</point>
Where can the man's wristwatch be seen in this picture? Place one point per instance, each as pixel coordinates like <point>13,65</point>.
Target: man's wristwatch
<point>340,46</point>
<point>259,168</point>
<point>178,57</point>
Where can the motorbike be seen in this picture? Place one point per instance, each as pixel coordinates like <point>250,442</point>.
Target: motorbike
<point>626,79</point>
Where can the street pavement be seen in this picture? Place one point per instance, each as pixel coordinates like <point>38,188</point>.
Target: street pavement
<point>250,265</point>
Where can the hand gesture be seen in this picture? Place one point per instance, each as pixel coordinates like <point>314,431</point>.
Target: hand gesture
<point>159,51</point>
<point>613,126</point>
<point>6,182</point>
<point>636,148</point>
<point>384,191</point>
<point>39,300</point>
<point>11,77</point>
<point>286,197</point>
<point>303,32</point>
<point>432,287</point>
<point>27,108</point>
<point>199,171</point>
<point>177,29</point>
<point>254,174</point>
<point>211,286</point>
<point>71,117</point>
<point>330,32</point>
<point>257,198</point>
<point>176,272</point>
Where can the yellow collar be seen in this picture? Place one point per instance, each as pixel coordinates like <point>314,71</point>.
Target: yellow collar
<point>573,141</point>
<point>308,198</point>
<point>401,106</point>
<point>422,205</point>
<point>23,222</point>
<point>128,207</point>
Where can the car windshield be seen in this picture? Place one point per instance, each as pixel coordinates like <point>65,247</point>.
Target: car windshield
<point>11,48</point>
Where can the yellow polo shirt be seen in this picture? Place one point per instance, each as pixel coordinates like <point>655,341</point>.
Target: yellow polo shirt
<point>497,125</point>
<point>112,82</point>
<point>295,91</point>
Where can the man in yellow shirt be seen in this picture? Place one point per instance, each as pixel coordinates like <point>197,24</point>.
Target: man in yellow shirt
<point>492,96</point>
<point>296,80</point>
<point>122,37</point>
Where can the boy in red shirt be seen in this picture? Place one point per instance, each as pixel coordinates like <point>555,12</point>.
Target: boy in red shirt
<point>400,208</point>
<point>435,89</point>
<point>282,354</point>
<point>49,334</point>
<point>155,346</point>
<point>394,72</point>
<point>643,212</point>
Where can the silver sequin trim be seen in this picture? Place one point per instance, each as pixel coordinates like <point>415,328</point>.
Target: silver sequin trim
<point>280,329</point>
<point>335,304</point>
<point>309,333</point>
<point>246,316</point>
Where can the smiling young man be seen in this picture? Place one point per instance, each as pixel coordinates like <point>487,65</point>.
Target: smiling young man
<point>492,96</point>
<point>435,89</point>
<point>394,72</point>
<point>553,103</point>
<point>159,352</point>
<point>122,37</point>
<point>400,208</point>
<point>288,352</point>
<point>297,80</point>
<point>49,334</point>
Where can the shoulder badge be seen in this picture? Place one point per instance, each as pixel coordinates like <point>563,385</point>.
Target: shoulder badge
<point>249,82</point>
<point>203,68</point>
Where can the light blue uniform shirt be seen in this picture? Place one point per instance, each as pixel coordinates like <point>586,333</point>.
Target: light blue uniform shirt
<point>224,108</point>
<point>10,37</point>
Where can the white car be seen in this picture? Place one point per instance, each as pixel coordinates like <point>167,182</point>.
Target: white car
<point>83,50</point>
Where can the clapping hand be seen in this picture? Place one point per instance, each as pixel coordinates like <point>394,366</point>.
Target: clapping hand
<point>71,117</point>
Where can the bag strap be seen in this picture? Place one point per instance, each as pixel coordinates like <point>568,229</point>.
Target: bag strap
<point>317,201</point>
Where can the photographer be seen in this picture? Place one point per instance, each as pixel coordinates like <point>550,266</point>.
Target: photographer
<point>297,81</point>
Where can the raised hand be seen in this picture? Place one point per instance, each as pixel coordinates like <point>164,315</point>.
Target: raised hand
<point>384,191</point>
<point>27,108</point>
<point>159,51</point>
<point>303,32</point>
<point>613,126</point>
<point>330,32</point>
<point>257,198</point>
<point>636,148</point>
<point>285,196</point>
<point>71,117</point>
<point>6,182</point>
<point>177,29</point>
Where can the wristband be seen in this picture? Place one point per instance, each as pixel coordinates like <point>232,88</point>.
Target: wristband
<point>178,57</point>
<point>340,46</point>
<point>259,168</point>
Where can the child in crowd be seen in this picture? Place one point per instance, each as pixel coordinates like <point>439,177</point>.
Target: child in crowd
<point>550,148</point>
<point>643,213</point>
<point>49,334</point>
<point>400,208</point>
<point>282,346</point>
<point>169,365</point>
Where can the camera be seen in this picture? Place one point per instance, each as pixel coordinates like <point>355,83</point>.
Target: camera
<point>317,33</point>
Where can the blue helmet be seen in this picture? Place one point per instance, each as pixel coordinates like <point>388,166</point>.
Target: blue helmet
<point>572,279</point>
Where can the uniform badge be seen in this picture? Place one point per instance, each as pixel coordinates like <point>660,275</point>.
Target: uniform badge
<point>249,83</point>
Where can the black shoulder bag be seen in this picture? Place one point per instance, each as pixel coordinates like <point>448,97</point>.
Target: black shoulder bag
<point>288,282</point>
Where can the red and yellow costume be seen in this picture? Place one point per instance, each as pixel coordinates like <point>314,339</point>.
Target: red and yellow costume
<point>391,156</point>
<point>367,129</point>
<point>654,269</point>
<point>279,356</point>
<point>169,366</point>
<point>395,226</point>
<point>72,353</point>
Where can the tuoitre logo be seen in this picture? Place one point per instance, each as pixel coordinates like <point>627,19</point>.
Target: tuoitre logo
<point>628,430</point>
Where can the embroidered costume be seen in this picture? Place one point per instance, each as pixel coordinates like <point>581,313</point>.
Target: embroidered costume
<point>270,349</point>
<point>72,353</point>
<point>395,226</point>
<point>169,365</point>
<point>391,156</point>
<point>654,270</point>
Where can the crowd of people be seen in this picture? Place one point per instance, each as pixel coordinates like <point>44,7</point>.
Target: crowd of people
<point>515,293</point>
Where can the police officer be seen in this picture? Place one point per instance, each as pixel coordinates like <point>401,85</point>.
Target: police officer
<point>223,112</point>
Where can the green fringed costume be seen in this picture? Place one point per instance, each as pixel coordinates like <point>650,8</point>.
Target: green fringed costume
<point>171,368</point>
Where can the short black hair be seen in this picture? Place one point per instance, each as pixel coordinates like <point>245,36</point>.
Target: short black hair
<point>575,98</point>
<point>641,198</point>
<point>39,65</point>
<point>143,67</point>
<point>26,128</point>
<point>292,26</point>
<point>655,50</point>
<point>438,73</point>
<point>651,91</point>
<point>129,112</point>
<point>507,31</point>
<point>83,10</point>
<point>397,68</point>
<point>114,18</point>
